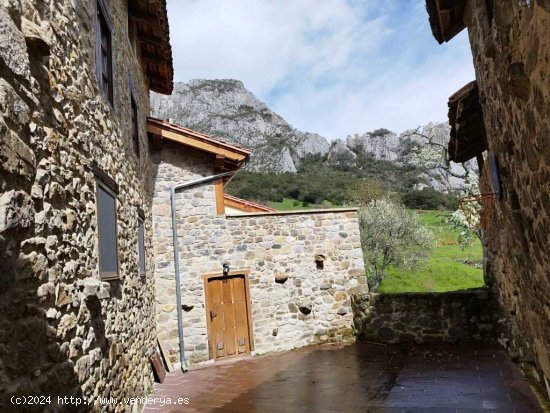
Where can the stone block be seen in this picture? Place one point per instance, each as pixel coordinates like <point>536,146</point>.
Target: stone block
<point>13,49</point>
<point>16,211</point>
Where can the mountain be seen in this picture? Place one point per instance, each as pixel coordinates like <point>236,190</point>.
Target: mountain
<point>225,108</point>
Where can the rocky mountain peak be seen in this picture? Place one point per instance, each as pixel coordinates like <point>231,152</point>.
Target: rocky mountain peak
<point>226,109</point>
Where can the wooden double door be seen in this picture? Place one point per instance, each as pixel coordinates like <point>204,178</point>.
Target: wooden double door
<point>228,316</point>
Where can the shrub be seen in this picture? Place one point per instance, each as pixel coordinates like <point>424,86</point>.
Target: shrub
<point>429,198</point>
<point>392,236</point>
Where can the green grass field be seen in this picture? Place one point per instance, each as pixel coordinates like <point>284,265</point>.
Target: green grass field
<point>449,268</point>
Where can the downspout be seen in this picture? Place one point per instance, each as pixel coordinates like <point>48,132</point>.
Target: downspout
<point>173,191</point>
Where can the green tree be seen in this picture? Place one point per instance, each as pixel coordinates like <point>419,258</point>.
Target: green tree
<point>365,191</point>
<point>392,236</point>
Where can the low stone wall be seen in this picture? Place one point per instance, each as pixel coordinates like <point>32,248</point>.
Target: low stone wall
<point>426,318</point>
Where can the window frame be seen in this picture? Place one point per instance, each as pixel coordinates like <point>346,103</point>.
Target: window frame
<point>104,25</point>
<point>142,253</point>
<point>102,185</point>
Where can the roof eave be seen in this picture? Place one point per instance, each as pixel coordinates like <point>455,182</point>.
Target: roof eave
<point>232,157</point>
<point>446,19</point>
<point>151,17</point>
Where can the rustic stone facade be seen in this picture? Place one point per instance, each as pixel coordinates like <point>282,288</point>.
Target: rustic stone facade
<point>426,318</point>
<point>511,48</point>
<point>62,330</point>
<point>278,249</point>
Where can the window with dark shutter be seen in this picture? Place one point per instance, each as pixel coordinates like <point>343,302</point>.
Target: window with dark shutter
<point>107,232</point>
<point>135,124</point>
<point>141,246</point>
<point>104,52</point>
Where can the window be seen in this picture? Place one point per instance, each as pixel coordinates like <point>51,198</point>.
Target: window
<point>107,232</point>
<point>141,246</point>
<point>104,52</point>
<point>135,124</point>
<point>489,10</point>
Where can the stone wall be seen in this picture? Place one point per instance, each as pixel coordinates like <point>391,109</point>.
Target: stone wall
<point>272,246</point>
<point>62,330</point>
<point>512,61</point>
<point>426,318</point>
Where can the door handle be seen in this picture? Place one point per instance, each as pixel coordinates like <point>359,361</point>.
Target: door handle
<point>212,315</point>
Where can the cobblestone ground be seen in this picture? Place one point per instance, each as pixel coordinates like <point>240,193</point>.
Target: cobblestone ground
<point>355,378</point>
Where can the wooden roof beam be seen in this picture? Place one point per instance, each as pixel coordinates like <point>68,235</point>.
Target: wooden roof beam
<point>203,145</point>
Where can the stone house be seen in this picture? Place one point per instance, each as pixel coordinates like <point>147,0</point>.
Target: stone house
<point>503,119</point>
<point>77,311</point>
<point>253,280</point>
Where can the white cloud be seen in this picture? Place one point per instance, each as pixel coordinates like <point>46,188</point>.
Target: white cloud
<point>398,100</point>
<point>259,42</point>
<point>332,66</point>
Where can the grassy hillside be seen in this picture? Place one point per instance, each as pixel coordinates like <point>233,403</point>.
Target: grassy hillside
<point>449,268</point>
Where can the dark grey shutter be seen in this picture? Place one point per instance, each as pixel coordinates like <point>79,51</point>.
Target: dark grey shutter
<point>141,246</point>
<point>107,231</point>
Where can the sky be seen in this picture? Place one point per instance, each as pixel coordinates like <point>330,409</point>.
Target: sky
<point>334,67</point>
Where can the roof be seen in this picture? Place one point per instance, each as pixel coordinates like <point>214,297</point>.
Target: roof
<point>244,205</point>
<point>228,156</point>
<point>467,126</point>
<point>446,18</point>
<point>151,19</point>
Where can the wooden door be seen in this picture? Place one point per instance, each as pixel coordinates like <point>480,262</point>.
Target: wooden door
<point>227,312</point>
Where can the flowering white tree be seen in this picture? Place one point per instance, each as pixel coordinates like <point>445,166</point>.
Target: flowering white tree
<point>465,220</point>
<point>391,236</point>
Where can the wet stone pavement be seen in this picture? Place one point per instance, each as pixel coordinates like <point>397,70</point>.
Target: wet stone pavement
<point>355,378</point>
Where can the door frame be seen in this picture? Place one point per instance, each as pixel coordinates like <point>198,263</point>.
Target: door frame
<point>206,278</point>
